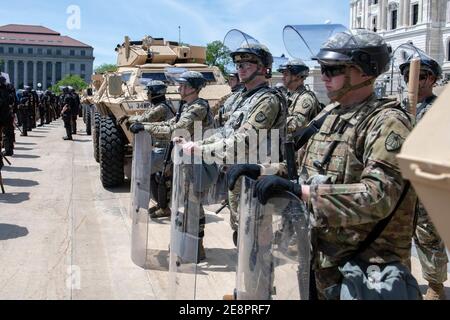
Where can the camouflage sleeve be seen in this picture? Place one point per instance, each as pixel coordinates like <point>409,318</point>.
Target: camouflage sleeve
<point>306,108</point>
<point>263,116</point>
<point>156,114</point>
<point>165,130</point>
<point>380,185</point>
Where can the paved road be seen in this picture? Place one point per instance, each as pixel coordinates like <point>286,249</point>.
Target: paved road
<point>63,236</point>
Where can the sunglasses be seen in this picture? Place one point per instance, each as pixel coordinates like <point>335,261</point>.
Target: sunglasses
<point>245,65</point>
<point>333,71</point>
<point>422,76</point>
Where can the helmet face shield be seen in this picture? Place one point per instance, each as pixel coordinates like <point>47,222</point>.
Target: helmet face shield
<point>245,48</point>
<point>304,41</point>
<point>405,53</point>
<point>336,45</point>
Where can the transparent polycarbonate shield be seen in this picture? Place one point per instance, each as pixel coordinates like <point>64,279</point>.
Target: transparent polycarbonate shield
<point>304,41</point>
<point>186,214</point>
<point>215,182</point>
<point>274,247</point>
<point>174,73</point>
<point>406,52</point>
<point>236,39</point>
<point>140,197</point>
<point>403,54</point>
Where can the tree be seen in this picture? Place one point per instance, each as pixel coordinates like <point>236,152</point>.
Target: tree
<point>217,54</point>
<point>74,81</point>
<point>106,67</point>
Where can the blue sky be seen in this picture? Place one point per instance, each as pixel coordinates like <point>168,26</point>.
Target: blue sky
<point>105,23</point>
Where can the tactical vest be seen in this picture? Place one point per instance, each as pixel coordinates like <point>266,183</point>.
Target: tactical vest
<point>296,96</point>
<point>346,159</point>
<point>246,106</point>
<point>345,166</point>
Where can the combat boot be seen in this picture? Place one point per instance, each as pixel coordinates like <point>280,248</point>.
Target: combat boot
<point>153,208</point>
<point>161,213</point>
<point>201,254</point>
<point>435,292</point>
<point>67,138</point>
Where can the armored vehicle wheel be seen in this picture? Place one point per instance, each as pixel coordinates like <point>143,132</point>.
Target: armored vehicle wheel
<point>96,137</point>
<point>111,154</point>
<point>87,120</point>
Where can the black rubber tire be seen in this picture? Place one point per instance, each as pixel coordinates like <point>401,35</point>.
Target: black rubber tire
<point>112,154</point>
<point>87,121</point>
<point>96,134</point>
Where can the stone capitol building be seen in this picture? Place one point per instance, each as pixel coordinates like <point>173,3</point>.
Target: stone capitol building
<point>425,23</point>
<point>36,54</point>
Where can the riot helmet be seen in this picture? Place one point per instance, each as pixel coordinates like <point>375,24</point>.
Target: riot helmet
<point>362,48</point>
<point>156,88</point>
<point>255,53</point>
<point>426,64</point>
<point>295,67</point>
<point>194,79</point>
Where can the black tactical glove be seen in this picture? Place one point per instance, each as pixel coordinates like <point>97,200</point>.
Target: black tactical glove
<point>252,171</point>
<point>268,186</point>
<point>137,127</point>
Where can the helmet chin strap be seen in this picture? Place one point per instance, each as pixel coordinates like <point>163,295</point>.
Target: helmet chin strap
<point>339,94</point>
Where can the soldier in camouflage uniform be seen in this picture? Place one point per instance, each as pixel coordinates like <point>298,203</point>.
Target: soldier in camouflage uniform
<point>303,105</point>
<point>430,247</point>
<point>194,110</point>
<point>160,110</point>
<point>256,107</point>
<point>229,100</point>
<point>355,149</point>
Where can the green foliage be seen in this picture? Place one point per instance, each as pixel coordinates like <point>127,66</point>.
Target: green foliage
<point>74,81</point>
<point>217,54</point>
<point>106,68</point>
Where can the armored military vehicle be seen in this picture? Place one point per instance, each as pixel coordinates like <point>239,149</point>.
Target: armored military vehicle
<point>124,93</point>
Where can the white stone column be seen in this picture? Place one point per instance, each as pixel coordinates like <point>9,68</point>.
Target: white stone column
<point>380,15</point>
<point>351,15</point>
<point>385,15</point>
<point>53,73</point>
<point>44,75</point>
<point>401,21</point>
<point>406,15</point>
<point>35,74</point>
<point>366,15</point>
<point>16,73</point>
<point>25,73</point>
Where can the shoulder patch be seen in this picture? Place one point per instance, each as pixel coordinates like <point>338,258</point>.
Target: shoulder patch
<point>260,117</point>
<point>394,142</point>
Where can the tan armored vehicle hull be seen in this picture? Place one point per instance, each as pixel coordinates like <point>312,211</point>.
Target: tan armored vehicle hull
<point>124,93</point>
<point>425,161</point>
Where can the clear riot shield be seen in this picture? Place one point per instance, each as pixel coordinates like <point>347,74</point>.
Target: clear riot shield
<point>193,275</point>
<point>304,41</point>
<point>149,238</point>
<point>274,248</point>
<point>186,214</point>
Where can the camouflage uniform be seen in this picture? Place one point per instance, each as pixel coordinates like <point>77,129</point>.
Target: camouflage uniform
<point>197,111</point>
<point>303,107</point>
<point>258,109</point>
<point>430,247</point>
<point>228,102</point>
<point>159,112</point>
<point>366,184</point>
